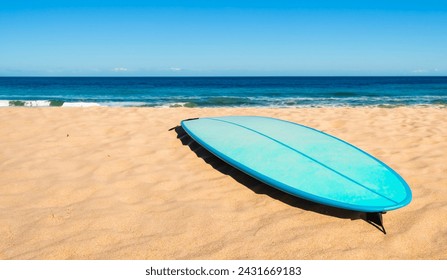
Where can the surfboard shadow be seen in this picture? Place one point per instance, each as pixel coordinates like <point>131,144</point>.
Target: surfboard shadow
<point>260,188</point>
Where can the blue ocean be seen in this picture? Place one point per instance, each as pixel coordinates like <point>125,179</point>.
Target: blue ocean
<point>223,91</point>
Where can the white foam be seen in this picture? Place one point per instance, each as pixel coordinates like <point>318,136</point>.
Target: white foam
<point>174,104</point>
<point>80,104</point>
<point>4,103</point>
<point>123,104</point>
<point>37,103</point>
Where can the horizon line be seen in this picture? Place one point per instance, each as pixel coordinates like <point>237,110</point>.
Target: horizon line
<point>226,76</point>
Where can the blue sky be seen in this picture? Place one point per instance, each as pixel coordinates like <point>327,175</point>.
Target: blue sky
<point>214,38</point>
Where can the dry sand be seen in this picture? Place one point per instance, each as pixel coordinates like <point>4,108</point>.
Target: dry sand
<point>114,183</point>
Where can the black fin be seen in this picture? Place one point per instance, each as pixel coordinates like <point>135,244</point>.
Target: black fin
<point>191,119</point>
<point>376,220</point>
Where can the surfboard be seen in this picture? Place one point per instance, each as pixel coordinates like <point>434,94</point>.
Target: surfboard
<point>302,161</point>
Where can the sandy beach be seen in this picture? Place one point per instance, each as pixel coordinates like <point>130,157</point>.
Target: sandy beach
<point>115,183</point>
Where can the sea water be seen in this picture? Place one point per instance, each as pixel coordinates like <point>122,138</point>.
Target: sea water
<point>223,91</point>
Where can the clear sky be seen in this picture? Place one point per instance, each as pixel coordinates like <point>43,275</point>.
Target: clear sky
<point>214,38</point>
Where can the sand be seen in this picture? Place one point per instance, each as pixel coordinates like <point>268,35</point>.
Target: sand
<point>114,183</point>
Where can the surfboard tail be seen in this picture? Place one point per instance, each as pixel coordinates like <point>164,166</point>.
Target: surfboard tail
<point>191,119</point>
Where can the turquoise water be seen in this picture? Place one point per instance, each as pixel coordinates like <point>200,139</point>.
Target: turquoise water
<point>223,91</point>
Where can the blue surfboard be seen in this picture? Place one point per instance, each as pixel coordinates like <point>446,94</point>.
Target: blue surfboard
<point>302,161</point>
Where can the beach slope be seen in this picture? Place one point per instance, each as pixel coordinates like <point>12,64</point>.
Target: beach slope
<point>115,183</point>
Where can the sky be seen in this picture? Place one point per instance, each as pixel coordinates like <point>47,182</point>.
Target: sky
<point>223,38</point>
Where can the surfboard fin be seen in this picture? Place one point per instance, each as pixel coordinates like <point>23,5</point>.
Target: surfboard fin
<point>376,220</point>
<point>191,119</point>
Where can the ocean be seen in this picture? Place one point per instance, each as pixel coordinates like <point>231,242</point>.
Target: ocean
<point>223,91</point>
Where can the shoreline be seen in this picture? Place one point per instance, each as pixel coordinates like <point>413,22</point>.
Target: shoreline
<point>114,183</point>
<point>191,105</point>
